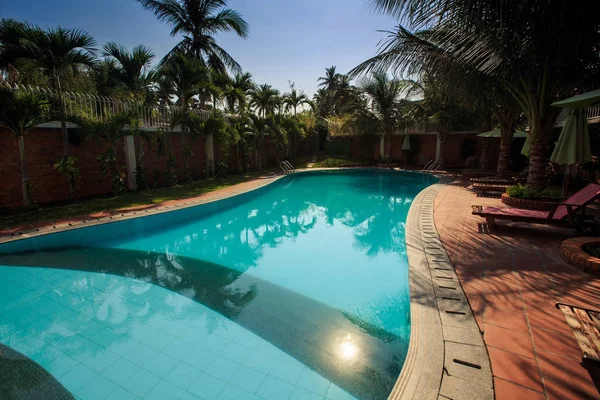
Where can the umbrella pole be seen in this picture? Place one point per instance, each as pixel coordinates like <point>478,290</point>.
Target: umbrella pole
<point>567,178</point>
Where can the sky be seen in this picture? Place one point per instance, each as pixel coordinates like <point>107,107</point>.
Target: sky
<point>288,41</point>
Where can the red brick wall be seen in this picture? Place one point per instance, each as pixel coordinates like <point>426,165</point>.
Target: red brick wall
<point>452,148</point>
<point>155,165</point>
<point>365,147</point>
<point>42,148</point>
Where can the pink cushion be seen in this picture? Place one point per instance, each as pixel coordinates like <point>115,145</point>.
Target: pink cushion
<point>515,212</point>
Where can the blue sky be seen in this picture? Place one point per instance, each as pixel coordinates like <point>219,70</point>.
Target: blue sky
<point>288,41</point>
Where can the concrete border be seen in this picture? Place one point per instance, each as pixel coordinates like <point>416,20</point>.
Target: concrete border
<point>446,358</point>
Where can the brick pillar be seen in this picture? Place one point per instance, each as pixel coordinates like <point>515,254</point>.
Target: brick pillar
<point>129,147</point>
<point>210,154</point>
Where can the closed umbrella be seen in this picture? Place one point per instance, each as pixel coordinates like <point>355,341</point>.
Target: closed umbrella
<point>406,148</point>
<point>406,143</point>
<point>573,145</point>
<point>526,146</point>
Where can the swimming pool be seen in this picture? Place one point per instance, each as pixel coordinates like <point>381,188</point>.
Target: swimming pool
<point>297,290</point>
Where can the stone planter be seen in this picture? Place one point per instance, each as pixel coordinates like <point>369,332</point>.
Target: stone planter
<point>571,250</point>
<point>527,204</point>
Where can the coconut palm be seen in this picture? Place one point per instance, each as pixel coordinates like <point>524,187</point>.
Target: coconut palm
<point>198,21</point>
<point>53,52</point>
<point>385,95</point>
<point>330,80</point>
<point>19,113</point>
<point>452,83</point>
<point>539,50</point>
<point>132,70</point>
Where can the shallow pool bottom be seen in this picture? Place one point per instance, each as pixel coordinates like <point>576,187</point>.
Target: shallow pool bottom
<point>95,334</point>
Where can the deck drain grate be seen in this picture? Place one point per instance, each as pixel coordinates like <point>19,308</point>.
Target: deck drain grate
<point>466,363</point>
<point>450,298</point>
<point>456,312</point>
<point>447,287</point>
<point>443,277</point>
<point>442,269</point>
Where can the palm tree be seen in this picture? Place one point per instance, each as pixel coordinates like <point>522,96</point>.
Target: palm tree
<point>330,80</point>
<point>385,95</point>
<point>198,21</point>
<point>265,100</point>
<point>294,99</point>
<point>53,52</point>
<point>186,77</point>
<point>459,83</point>
<point>20,112</point>
<point>538,50</point>
<point>132,70</point>
<point>237,91</point>
<point>130,73</point>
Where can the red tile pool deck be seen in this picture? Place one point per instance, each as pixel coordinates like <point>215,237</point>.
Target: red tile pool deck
<point>513,277</point>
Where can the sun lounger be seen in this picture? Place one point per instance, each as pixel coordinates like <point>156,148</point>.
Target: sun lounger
<point>571,212</point>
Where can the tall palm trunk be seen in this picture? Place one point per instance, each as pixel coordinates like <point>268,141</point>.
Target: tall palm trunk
<point>24,174</point>
<point>388,151</point>
<point>506,136</point>
<point>541,132</point>
<point>537,166</point>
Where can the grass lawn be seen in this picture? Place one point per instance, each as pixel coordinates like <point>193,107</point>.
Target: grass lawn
<point>328,162</point>
<point>131,199</point>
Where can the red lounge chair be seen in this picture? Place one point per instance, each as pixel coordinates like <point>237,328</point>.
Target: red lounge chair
<point>566,213</point>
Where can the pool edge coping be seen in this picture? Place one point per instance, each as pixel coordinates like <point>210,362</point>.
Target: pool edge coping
<point>443,331</point>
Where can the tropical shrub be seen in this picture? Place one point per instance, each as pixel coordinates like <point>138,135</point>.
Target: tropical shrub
<point>526,192</point>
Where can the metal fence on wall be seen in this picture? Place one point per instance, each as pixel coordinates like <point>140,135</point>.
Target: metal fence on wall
<point>99,108</point>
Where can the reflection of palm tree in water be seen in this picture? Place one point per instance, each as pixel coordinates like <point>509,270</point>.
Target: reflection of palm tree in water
<point>238,242</point>
<point>376,222</point>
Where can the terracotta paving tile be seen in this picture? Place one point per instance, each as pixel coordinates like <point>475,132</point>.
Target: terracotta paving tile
<point>566,378</point>
<point>554,342</point>
<point>553,320</point>
<point>508,302</point>
<point>506,319</point>
<point>522,270</point>
<point>508,340</point>
<point>509,391</point>
<point>515,368</point>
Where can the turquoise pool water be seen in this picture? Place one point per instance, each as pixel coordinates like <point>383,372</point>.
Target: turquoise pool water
<point>298,290</point>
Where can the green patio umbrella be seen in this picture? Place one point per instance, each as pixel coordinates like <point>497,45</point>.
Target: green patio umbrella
<point>585,100</point>
<point>526,146</point>
<point>573,145</point>
<point>496,134</point>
